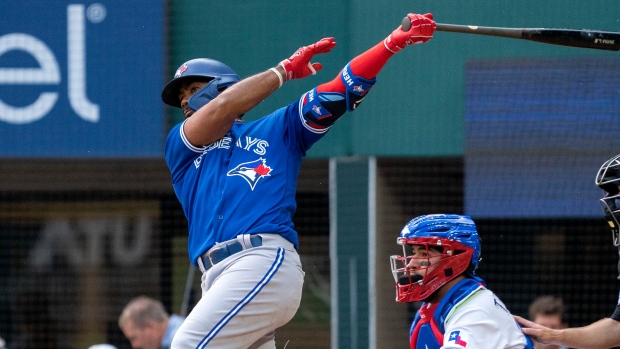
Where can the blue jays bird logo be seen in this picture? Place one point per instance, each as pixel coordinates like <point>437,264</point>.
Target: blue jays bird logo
<point>317,110</point>
<point>252,171</point>
<point>180,71</point>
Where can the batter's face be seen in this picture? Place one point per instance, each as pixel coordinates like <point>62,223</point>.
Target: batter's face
<point>186,91</point>
<point>423,261</point>
<point>148,337</point>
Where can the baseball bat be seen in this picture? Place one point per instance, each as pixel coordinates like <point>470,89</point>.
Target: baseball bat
<point>189,282</point>
<point>585,38</point>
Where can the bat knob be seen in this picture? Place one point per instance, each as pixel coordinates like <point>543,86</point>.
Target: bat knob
<point>406,24</point>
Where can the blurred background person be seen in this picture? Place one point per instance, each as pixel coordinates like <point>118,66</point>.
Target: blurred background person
<point>548,311</point>
<point>147,325</point>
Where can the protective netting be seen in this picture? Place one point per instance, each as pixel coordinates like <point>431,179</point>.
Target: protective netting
<point>88,218</point>
<point>71,260</point>
<point>537,131</point>
<point>521,258</point>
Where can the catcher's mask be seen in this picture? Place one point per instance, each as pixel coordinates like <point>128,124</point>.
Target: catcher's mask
<point>608,179</point>
<point>446,246</point>
<point>218,74</point>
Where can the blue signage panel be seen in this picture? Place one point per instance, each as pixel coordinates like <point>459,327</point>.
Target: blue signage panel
<point>81,79</point>
<point>537,131</point>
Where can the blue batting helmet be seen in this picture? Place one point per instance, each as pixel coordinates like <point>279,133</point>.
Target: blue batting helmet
<point>456,239</point>
<point>218,74</point>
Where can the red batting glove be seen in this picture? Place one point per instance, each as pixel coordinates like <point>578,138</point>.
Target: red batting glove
<point>422,29</point>
<point>298,65</point>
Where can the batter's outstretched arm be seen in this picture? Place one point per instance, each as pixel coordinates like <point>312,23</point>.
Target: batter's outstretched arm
<point>602,334</point>
<point>329,101</point>
<point>211,122</point>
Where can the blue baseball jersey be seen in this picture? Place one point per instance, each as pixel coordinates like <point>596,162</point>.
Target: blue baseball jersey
<point>244,183</point>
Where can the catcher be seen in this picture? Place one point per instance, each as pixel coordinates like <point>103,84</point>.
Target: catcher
<point>441,253</point>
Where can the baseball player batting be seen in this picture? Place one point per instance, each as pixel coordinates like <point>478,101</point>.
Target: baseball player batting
<point>236,182</point>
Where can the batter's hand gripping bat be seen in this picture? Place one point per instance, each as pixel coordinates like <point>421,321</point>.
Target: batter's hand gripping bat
<point>585,38</point>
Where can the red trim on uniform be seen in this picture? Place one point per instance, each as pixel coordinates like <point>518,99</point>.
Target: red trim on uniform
<point>367,65</point>
<point>438,334</point>
<point>426,315</point>
<point>308,122</point>
<point>313,125</point>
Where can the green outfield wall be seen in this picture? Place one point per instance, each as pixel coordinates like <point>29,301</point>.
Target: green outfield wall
<point>417,106</point>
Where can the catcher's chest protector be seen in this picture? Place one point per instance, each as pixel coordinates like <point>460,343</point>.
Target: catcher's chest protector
<point>427,330</point>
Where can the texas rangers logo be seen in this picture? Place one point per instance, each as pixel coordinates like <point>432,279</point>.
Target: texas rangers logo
<point>180,71</point>
<point>455,336</point>
<point>252,171</point>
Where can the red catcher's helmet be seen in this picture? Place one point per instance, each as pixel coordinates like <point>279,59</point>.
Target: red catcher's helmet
<point>457,239</point>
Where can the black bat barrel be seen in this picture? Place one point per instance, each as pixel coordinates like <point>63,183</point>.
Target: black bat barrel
<point>576,38</point>
<point>585,38</point>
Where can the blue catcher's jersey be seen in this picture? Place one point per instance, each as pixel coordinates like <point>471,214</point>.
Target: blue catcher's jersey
<point>244,183</point>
